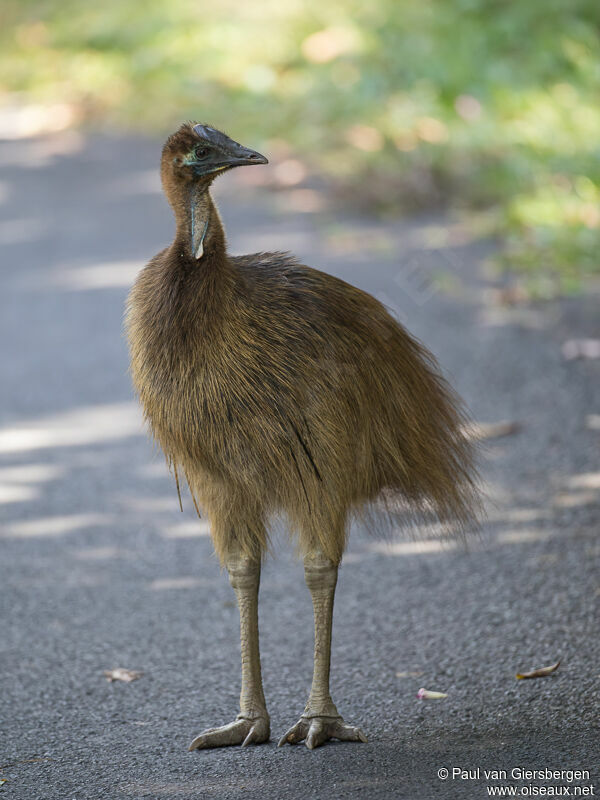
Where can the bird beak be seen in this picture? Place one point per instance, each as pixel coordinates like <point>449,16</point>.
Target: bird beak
<point>231,154</point>
<point>243,156</point>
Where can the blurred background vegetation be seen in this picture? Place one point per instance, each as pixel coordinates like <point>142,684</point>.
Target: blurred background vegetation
<point>486,105</point>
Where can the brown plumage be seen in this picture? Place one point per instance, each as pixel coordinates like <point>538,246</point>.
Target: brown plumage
<point>276,388</point>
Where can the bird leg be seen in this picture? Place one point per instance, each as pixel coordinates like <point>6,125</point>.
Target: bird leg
<point>321,720</point>
<point>252,723</point>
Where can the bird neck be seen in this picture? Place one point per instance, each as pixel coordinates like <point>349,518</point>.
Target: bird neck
<point>200,236</point>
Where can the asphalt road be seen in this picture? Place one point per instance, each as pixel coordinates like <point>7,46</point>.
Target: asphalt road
<point>101,570</point>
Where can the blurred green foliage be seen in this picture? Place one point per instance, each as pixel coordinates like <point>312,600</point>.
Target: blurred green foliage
<point>486,104</point>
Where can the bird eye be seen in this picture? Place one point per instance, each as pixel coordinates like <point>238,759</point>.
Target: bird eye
<point>201,152</point>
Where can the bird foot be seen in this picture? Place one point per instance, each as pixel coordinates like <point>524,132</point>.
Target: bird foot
<point>314,731</point>
<point>243,730</point>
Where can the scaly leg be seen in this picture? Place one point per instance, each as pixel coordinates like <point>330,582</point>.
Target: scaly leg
<point>321,720</point>
<point>252,723</point>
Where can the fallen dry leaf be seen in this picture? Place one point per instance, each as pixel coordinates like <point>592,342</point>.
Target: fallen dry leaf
<point>490,430</point>
<point>581,348</point>
<point>425,694</point>
<point>120,674</point>
<point>538,673</point>
<point>592,421</point>
<point>411,674</point>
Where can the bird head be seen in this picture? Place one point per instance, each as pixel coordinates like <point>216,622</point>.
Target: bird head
<point>196,154</point>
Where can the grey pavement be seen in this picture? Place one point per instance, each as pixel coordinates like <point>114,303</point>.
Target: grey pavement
<point>101,570</point>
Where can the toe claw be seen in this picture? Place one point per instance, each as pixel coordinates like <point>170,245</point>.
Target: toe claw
<point>317,734</point>
<point>348,733</point>
<point>287,738</point>
<point>196,744</point>
<point>317,730</point>
<point>249,739</point>
<point>295,734</point>
<point>242,731</point>
<point>259,732</point>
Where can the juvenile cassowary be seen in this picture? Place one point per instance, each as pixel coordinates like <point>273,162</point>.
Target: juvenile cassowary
<point>276,389</point>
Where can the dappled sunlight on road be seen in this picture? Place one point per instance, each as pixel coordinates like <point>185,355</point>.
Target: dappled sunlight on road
<point>80,426</point>
<point>412,548</point>
<point>155,470</point>
<point>53,526</point>
<point>571,499</point>
<point>502,526</point>
<point>16,482</point>
<point>187,530</point>
<point>579,490</point>
<point>36,153</point>
<point>586,480</point>
<point>145,504</point>
<point>17,494</point>
<point>519,514</point>
<point>522,536</point>
<point>18,231</point>
<point>30,473</point>
<point>181,582</point>
<point>24,121</point>
<point>110,275</point>
<point>441,546</point>
<point>592,421</point>
<point>66,495</point>
<point>101,553</point>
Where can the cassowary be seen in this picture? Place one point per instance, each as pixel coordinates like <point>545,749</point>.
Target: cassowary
<point>276,389</point>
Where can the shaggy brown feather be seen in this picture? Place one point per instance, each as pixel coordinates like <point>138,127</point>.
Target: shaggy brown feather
<point>279,388</point>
